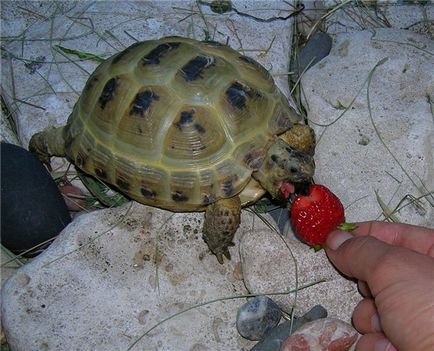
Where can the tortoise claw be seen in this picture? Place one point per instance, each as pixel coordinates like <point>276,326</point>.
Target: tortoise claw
<point>227,254</point>
<point>219,258</point>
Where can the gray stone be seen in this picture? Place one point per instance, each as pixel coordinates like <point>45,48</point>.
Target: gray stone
<point>377,157</point>
<point>317,47</point>
<point>257,317</point>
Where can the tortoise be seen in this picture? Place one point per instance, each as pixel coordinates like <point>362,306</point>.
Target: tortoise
<point>185,125</point>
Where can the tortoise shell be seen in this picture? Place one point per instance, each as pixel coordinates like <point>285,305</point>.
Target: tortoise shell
<point>176,123</point>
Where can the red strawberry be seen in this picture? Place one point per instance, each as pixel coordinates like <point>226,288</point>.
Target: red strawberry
<point>315,215</point>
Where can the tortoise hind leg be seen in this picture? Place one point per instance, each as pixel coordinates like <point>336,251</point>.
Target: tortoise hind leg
<point>222,219</point>
<point>50,142</point>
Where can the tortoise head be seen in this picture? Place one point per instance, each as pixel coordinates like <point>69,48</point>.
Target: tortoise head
<point>287,162</point>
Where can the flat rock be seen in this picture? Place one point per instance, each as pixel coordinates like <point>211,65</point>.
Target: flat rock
<point>272,263</point>
<point>113,274</point>
<point>377,157</point>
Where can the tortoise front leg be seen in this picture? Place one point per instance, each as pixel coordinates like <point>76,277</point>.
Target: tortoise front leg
<point>222,219</point>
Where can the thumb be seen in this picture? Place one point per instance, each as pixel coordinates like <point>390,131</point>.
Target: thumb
<point>369,259</point>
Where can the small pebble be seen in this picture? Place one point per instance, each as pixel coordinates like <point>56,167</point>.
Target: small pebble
<point>326,334</point>
<point>257,316</point>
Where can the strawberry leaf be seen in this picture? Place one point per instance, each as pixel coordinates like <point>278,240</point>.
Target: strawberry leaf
<point>347,227</point>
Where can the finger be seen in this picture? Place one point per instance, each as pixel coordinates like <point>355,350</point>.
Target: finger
<point>413,237</point>
<point>365,317</point>
<point>374,342</point>
<point>364,288</point>
<point>376,262</point>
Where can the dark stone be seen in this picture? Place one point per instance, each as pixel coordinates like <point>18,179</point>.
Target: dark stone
<point>33,210</point>
<point>318,47</point>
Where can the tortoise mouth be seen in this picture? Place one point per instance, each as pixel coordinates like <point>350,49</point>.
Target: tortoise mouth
<point>288,190</point>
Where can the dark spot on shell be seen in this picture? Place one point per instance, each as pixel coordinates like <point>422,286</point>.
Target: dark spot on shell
<point>274,158</point>
<point>246,59</point>
<point>195,67</point>
<point>178,196</point>
<point>108,92</point>
<point>284,121</point>
<point>293,170</point>
<point>122,184</point>
<point>226,213</point>
<point>91,83</point>
<point>148,193</point>
<point>213,43</point>
<point>186,118</point>
<point>121,55</point>
<point>236,95</point>
<point>154,56</point>
<point>142,102</point>
<point>208,199</point>
<point>68,141</point>
<point>228,187</point>
<point>199,128</point>
<point>255,64</point>
<point>100,173</point>
<point>80,160</point>
<point>254,159</point>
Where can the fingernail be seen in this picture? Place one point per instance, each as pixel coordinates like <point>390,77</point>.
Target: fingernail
<point>375,323</point>
<point>384,345</point>
<point>337,239</point>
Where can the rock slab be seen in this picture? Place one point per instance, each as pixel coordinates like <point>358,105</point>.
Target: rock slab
<point>112,275</point>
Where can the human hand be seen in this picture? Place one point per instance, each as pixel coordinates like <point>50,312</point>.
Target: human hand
<point>394,267</point>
